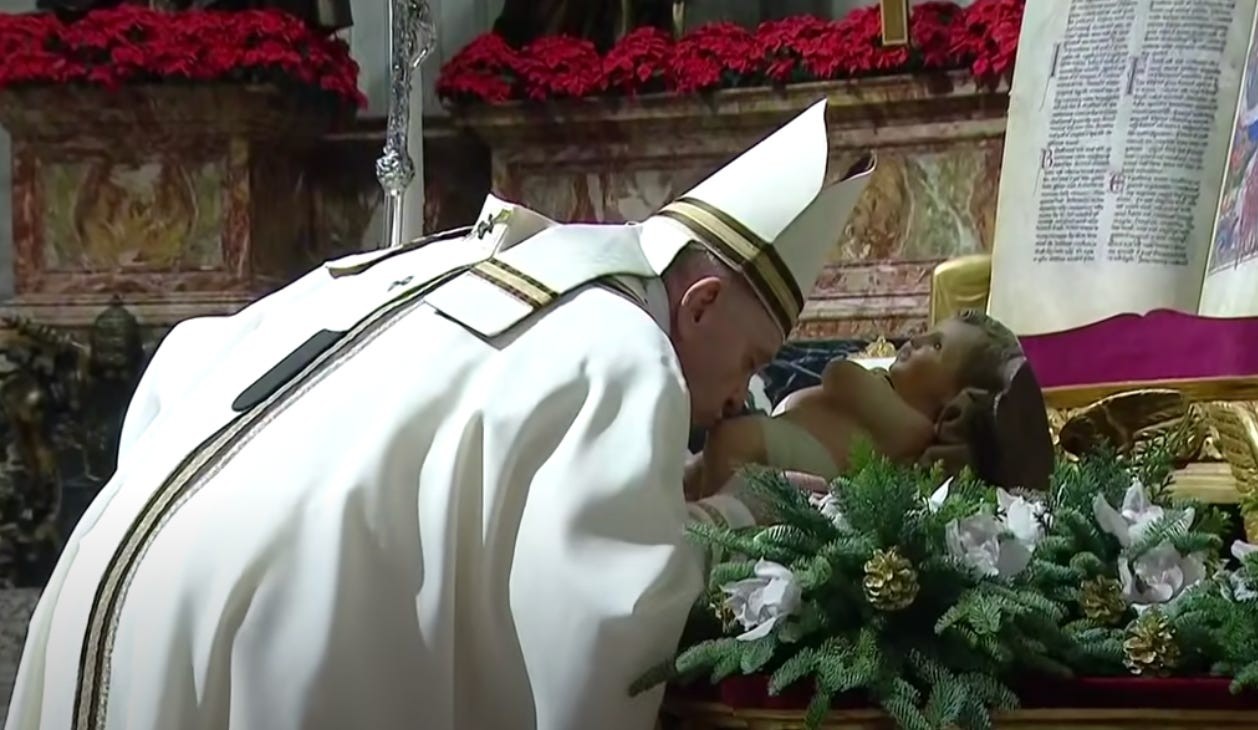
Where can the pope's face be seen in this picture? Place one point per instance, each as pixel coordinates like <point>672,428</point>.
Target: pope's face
<point>723,336</point>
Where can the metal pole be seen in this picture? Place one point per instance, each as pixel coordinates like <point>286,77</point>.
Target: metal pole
<point>412,35</point>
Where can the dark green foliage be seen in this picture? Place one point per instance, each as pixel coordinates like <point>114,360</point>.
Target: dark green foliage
<point>1075,549</point>
<point>940,662</point>
<point>931,665</point>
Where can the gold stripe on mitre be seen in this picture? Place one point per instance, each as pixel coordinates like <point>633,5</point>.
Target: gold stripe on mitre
<point>750,255</point>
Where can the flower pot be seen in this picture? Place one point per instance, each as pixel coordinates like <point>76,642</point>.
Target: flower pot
<point>1109,703</point>
<point>185,199</point>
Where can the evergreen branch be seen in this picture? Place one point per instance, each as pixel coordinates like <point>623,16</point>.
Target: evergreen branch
<point>850,551</point>
<point>1166,528</point>
<point>731,572</point>
<point>818,708</point>
<point>757,654</point>
<point>738,542</point>
<point>1086,536</point>
<point>661,673</point>
<point>1039,572</point>
<point>1087,564</point>
<point>974,716</point>
<point>926,666</point>
<point>1197,542</point>
<point>990,691</point>
<point>793,669</point>
<point>1246,678</point>
<point>727,665</point>
<point>947,699</point>
<point>704,654</point>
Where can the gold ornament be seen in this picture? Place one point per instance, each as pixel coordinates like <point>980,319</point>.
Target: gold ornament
<point>721,610</point>
<point>890,581</point>
<point>1102,600</point>
<point>1150,647</point>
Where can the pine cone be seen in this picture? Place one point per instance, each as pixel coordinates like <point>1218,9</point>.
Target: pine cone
<point>1102,601</point>
<point>1150,647</point>
<point>890,581</point>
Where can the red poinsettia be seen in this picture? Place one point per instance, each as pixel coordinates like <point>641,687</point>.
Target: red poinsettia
<point>639,63</point>
<point>982,37</point>
<point>988,40</point>
<point>931,29</point>
<point>134,44</point>
<point>712,55</point>
<point>487,69</point>
<point>560,66</point>
<point>801,48</point>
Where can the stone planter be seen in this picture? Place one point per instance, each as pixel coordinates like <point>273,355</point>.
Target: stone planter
<point>183,199</point>
<point>1085,703</point>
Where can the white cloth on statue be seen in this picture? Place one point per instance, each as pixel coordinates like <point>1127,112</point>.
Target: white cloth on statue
<point>445,531</point>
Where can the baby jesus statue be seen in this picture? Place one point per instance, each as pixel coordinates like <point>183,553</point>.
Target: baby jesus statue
<point>961,395</point>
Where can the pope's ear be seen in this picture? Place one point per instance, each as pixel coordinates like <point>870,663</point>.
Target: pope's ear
<point>698,301</point>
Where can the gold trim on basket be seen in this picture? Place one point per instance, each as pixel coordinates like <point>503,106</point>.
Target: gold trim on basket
<point>716,716</point>
<point>1196,389</point>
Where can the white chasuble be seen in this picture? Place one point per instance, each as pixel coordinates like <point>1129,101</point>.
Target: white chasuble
<point>427,529</point>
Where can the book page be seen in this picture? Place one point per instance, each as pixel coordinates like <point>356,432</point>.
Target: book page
<point>1230,288</point>
<point>1119,120</point>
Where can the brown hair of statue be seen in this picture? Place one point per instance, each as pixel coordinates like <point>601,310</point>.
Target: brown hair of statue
<point>984,367</point>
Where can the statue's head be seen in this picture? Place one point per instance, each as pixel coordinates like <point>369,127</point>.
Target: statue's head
<point>968,350</point>
<point>970,376</point>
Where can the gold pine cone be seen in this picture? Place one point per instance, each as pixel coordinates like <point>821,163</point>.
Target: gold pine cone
<point>890,581</point>
<point>1150,647</point>
<point>1102,601</point>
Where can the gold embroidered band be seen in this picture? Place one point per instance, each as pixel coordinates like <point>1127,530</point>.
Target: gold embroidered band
<point>751,255</point>
<point>516,283</point>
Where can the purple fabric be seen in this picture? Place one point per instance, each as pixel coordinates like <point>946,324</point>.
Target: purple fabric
<point>1161,345</point>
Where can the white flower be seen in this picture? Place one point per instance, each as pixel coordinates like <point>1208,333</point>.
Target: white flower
<point>936,500</point>
<point>1022,517</point>
<point>1136,516</point>
<point>978,542</point>
<point>828,505</point>
<point>1241,590</point>
<point>760,603</point>
<point>1160,575</point>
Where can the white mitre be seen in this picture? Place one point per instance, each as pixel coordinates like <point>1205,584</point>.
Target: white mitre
<point>768,215</point>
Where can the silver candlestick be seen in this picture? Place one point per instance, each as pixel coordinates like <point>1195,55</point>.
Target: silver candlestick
<point>412,35</point>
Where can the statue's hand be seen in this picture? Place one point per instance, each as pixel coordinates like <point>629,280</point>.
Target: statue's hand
<point>807,483</point>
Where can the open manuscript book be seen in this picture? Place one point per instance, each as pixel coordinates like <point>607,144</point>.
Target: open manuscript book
<point>1130,175</point>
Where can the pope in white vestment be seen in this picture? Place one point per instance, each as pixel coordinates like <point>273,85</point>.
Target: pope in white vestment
<point>436,487</point>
